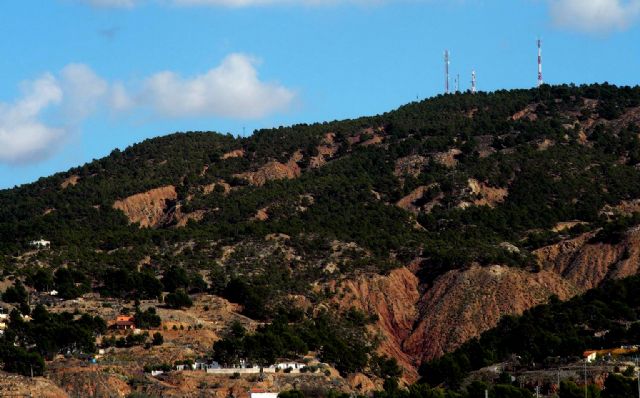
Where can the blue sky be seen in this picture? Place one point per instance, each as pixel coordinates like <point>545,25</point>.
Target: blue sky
<point>79,78</point>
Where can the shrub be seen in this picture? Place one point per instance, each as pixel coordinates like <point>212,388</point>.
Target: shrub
<point>158,339</point>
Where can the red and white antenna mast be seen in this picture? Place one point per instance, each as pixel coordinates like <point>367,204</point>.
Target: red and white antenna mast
<point>446,71</point>
<point>473,82</point>
<point>540,81</point>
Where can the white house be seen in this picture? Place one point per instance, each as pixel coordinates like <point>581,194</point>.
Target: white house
<point>53,293</point>
<point>589,356</point>
<point>40,243</point>
<point>292,365</point>
<point>260,393</point>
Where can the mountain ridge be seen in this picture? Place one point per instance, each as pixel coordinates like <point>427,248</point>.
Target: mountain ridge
<point>438,218</point>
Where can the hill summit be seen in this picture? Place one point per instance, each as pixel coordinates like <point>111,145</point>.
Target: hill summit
<point>417,229</point>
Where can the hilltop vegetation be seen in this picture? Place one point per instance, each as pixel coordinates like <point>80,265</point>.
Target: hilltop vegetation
<point>287,214</point>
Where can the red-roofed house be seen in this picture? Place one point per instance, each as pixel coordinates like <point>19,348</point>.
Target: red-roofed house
<point>125,322</point>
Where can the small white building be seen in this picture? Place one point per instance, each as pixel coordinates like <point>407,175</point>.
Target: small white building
<point>292,365</point>
<point>589,356</point>
<point>53,293</point>
<point>42,244</point>
<point>260,393</point>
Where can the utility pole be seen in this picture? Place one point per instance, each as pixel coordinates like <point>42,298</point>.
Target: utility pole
<point>457,83</point>
<point>446,71</point>
<point>540,80</point>
<point>473,82</point>
<point>585,378</point>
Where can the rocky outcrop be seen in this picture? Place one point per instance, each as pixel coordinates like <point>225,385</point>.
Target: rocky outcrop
<point>624,208</point>
<point>274,171</point>
<point>262,214</point>
<point>486,195</point>
<point>410,202</point>
<point>462,304</point>
<point>448,159</point>
<point>147,208</point>
<point>237,153</point>
<point>528,113</point>
<point>209,188</point>
<point>410,165</point>
<point>182,219</point>
<point>587,263</point>
<point>70,181</point>
<point>326,150</point>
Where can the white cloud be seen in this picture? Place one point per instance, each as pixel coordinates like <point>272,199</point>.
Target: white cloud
<point>595,15</point>
<point>83,89</point>
<point>119,99</point>
<point>229,90</point>
<point>23,136</point>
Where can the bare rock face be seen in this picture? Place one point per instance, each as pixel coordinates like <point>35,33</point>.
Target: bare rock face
<point>418,322</point>
<point>208,189</point>
<point>70,182</point>
<point>448,159</point>
<point>410,165</point>
<point>409,202</point>
<point>262,214</point>
<point>274,171</point>
<point>528,113</point>
<point>587,264</point>
<point>462,304</point>
<point>486,195</point>
<point>182,219</point>
<point>147,208</point>
<point>238,153</point>
<point>393,298</point>
<point>624,208</point>
<point>326,149</point>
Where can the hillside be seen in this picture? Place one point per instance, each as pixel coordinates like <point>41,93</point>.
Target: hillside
<point>417,229</point>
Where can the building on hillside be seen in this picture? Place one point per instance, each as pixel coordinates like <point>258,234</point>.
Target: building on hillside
<point>589,356</point>
<point>203,365</point>
<point>289,365</point>
<point>125,322</point>
<point>261,393</point>
<point>41,244</point>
